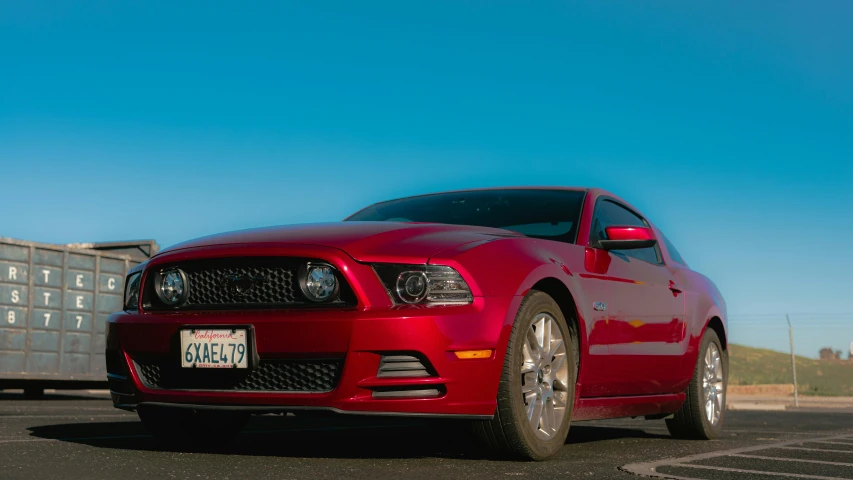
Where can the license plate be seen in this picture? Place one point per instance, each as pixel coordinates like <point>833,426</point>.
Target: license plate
<point>212,348</point>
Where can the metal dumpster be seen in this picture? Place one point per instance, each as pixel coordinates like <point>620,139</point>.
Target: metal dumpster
<point>139,250</point>
<point>54,302</point>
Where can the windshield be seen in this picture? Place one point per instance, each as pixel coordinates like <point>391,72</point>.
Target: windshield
<point>548,214</point>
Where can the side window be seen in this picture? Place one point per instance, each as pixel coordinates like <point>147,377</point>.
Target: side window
<point>608,213</point>
<point>673,253</point>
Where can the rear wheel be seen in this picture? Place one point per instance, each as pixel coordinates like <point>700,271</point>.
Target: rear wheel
<point>188,427</point>
<point>537,387</point>
<point>701,417</point>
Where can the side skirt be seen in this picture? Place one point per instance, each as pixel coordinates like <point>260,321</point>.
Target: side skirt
<point>597,408</point>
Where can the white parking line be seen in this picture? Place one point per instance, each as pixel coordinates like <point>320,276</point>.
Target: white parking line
<point>652,426</point>
<point>772,432</point>
<point>761,407</point>
<point>760,457</point>
<point>76,392</point>
<point>650,468</point>
<point>829,443</point>
<point>759,472</point>
<point>806,449</point>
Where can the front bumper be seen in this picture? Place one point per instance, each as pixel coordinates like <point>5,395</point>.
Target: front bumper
<point>358,337</point>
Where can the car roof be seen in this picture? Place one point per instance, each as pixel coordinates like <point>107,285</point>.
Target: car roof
<point>486,189</point>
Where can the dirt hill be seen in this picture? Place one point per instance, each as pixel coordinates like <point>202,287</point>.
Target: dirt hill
<point>758,366</point>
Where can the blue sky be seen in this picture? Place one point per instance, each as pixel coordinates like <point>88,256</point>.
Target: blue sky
<point>730,125</point>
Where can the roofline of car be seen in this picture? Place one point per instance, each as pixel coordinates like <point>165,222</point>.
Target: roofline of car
<point>484,189</point>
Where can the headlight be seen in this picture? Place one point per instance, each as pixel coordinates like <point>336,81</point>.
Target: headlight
<point>131,291</point>
<point>318,282</point>
<point>423,284</point>
<point>171,286</point>
<point>412,286</point>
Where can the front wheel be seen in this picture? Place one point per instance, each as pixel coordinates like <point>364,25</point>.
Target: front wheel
<point>537,387</point>
<point>188,427</point>
<point>701,417</point>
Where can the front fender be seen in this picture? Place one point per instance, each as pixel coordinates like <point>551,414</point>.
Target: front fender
<point>513,266</point>
<point>704,303</point>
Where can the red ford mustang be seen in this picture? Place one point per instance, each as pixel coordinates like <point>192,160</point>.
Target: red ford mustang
<point>517,310</point>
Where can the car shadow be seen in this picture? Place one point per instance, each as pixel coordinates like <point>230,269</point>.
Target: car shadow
<point>17,395</point>
<point>332,437</point>
<point>581,433</point>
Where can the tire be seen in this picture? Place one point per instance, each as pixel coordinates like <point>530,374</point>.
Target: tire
<point>187,427</point>
<point>692,420</point>
<point>509,431</point>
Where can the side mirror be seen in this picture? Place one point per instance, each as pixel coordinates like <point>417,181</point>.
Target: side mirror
<point>628,238</point>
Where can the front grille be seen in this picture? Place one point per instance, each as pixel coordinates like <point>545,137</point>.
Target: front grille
<point>272,283</point>
<point>269,376</point>
<point>208,285</point>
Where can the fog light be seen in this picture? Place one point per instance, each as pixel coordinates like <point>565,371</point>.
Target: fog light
<point>171,286</point>
<point>318,282</point>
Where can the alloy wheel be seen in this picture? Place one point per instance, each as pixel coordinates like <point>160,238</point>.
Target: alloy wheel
<point>544,376</point>
<point>712,384</point>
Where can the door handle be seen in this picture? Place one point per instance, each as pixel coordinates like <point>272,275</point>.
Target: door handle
<point>674,288</point>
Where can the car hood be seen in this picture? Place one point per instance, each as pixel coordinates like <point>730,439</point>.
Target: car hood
<point>364,241</point>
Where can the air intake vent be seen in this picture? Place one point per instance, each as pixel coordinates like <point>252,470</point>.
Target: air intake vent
<point>269,376</point>
<point>402,366</point>
<point>411,392</point>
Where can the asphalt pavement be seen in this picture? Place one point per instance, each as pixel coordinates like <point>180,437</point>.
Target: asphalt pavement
<point>79,435</point>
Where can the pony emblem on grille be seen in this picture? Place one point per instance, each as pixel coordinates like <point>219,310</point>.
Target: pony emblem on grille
<point>242,284</point>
